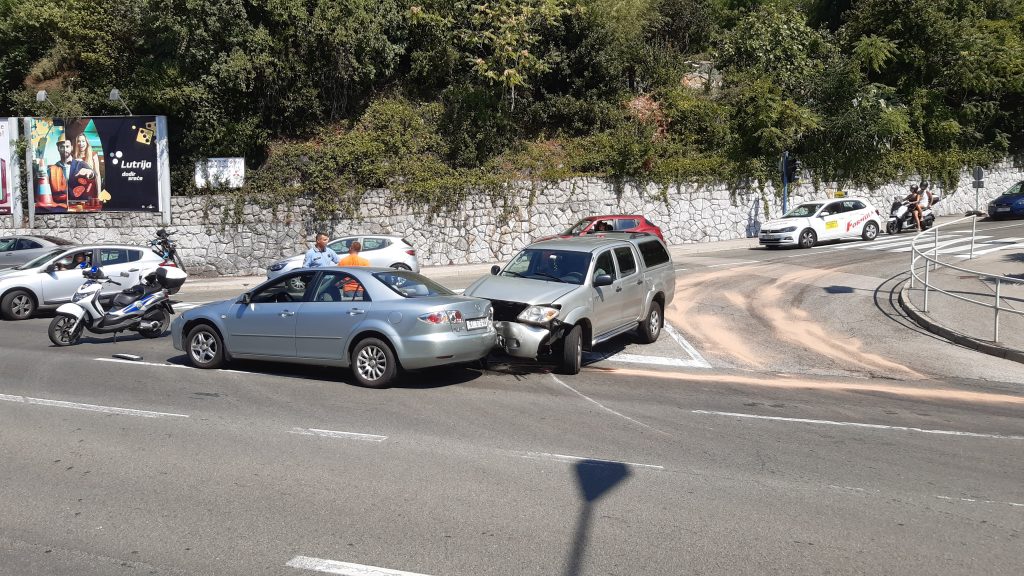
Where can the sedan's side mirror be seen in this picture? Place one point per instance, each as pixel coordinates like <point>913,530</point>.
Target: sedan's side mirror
<point>823,214</point>
<point>51,268</point>
<point>602,280</point>
<point>126,274</point>
<point>495,269</point>
<point>245,298</point>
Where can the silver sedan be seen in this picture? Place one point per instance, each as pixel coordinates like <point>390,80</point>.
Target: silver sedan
<point>376,320</point>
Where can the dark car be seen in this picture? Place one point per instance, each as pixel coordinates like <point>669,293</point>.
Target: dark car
<point>16,250</point>
<point>1010,203</point>
<point>609,223</point>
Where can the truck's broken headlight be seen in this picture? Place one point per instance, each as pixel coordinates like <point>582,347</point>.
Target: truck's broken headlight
<point>538,314</point>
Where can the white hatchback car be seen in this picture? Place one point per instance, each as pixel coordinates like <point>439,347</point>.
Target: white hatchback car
<point>382,251</point>
<point>52,279</point>
<point>813,222</point>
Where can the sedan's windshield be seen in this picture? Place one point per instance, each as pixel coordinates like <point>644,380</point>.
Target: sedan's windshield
<point>802,211</point>
<point>411,284</point>
<point>577,228</point>
<point>549,265</point>
<point>40,260</point>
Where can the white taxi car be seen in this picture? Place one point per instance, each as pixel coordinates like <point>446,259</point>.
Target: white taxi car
<point>813,222</point>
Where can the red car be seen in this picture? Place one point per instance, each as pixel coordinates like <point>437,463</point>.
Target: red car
<point>612,222</point>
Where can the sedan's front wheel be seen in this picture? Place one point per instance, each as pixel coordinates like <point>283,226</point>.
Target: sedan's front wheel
<point>204,347</point>
<point>808,238</point>
<point>373,363</point>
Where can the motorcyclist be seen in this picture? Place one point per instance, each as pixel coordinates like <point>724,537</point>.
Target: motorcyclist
<point>913,201</point>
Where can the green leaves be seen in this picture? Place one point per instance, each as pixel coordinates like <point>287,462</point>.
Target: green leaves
<point>874,52</point>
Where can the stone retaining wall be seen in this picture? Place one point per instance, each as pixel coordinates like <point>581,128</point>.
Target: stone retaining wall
<point>482,230</point>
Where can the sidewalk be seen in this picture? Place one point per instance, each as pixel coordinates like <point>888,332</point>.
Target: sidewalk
<point>966,323</point>
<point>467,271</point>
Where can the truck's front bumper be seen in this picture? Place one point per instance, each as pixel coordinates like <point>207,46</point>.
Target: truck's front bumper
<point>520,340</point>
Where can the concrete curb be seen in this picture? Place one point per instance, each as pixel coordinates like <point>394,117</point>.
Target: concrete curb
<point>934,327</point>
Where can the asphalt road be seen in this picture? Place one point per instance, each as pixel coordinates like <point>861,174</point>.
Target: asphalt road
<point>794,423</point>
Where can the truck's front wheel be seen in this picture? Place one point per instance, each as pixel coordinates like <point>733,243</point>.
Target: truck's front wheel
<point>572,351</point>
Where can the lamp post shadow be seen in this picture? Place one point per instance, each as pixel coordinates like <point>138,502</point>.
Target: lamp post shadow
<point>595,478</point>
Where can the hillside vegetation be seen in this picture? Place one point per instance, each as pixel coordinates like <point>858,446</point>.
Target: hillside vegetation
<point>437,99</point>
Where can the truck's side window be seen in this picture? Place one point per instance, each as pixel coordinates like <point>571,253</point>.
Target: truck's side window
<point>627,264</point>
<point>653,253</point>
<point>604,265</point>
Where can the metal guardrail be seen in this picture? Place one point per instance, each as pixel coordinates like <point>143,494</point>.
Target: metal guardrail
<point>930,255</point>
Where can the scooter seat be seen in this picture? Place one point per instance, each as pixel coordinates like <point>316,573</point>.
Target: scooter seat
<point>129,295</point>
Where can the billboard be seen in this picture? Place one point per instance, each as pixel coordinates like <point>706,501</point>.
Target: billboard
<point>8,164</point>
<point>96,164</point>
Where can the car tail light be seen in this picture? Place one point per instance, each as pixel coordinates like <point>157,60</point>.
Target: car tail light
<point>410,252</point>
<point>449,316</point>
<point>171,264</point>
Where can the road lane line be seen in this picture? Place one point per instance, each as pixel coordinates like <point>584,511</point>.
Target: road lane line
<point>734,263</point>
<point>859,425</point>
<point>160,364</point>
<point>90,407</point>
<point>641,359</point>
<point>1015,504</point>
<point>344,568</point>
<point>702,363</point>
<point>605,408</point>
<point>338,434</point>
<point>575,459</point>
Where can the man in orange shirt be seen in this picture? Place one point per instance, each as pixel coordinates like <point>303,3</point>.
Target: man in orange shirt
<point>353,259</point>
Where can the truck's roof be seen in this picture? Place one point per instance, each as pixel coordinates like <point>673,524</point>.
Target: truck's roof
<point>590,243</point>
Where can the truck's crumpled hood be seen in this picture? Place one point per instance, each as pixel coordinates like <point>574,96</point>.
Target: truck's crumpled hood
<point>518,290</point>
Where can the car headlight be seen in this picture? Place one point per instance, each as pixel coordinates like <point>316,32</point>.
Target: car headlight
<point>788,229</point>
<point>277,266</point>
<point>538,314</point>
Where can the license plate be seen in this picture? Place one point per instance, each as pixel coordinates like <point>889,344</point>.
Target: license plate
<point>476,323</point>
<point>1003,209</point>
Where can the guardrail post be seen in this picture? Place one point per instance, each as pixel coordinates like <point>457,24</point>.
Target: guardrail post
<point>996,336</point>
<point>913,262</point>
<point>926,280</point>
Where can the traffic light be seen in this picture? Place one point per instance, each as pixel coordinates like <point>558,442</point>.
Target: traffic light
<point>792,169</point>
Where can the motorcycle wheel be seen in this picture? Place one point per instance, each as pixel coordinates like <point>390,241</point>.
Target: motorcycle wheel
<point>892,228</point>
<point>158,314</point>
<point>60,332</point>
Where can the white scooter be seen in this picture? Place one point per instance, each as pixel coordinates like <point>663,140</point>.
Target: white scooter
<point>144,308</point>
<point>901,218</point>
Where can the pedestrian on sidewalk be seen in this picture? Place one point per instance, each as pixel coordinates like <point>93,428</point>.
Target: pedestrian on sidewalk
<point>319,255</point>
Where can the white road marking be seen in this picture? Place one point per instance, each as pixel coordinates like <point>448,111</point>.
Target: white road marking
<point>734,263</point>
<point>980,501</point>
<point>140,362</point>
<point>697,358</point>
<point>929,246</point>
<point>337,434</point>
<point>182,306</point>
<point>344,568</point>
<point>90,407</point>
<point>574,459</point>
<point>605,408</point>
<point>642,359</point>
<point>1007,244</point>
<point>859,425</point>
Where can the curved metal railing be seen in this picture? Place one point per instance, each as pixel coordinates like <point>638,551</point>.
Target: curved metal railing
<point>930,255</point>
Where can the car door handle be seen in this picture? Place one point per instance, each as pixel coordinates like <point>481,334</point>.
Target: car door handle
<point>287,313</point>
<point>639,282</point>
<point>618,288</point>
<point>356,312</point>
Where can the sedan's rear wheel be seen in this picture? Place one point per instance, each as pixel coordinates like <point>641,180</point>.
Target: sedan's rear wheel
<point>400,266</point>
<point>373,363</point>
<point>808,238</point>
<point>870,231</point>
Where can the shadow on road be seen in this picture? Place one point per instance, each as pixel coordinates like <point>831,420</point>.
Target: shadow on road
<point>594,478</point>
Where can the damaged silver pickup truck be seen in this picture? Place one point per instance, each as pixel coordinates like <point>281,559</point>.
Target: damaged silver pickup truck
<point>560,297</point>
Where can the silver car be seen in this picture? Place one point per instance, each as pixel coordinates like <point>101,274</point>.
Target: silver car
<point>376,320</point>
<point>384,251</point>
<point>16,250</point>
<point>52,278</point>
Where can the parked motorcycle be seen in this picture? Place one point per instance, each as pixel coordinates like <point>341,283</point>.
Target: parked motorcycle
<point>164,246</point>
<point>144,308</point>
<point>901,217</point>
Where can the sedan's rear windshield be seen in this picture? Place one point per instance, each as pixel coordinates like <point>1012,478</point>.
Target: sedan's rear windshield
<point>802,211</point>
<point>40,260</point>
<point>411,285</point>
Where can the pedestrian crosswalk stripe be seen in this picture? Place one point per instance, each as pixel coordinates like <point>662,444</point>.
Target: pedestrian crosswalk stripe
<point>942,246</point>
<point>1006,244</point>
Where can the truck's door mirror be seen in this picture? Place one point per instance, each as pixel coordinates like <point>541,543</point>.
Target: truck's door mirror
<point>495,269</point>
<point>602,280</point>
